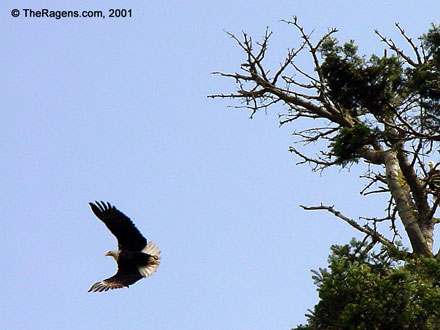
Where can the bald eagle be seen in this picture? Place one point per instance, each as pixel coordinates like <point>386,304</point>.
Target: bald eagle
<point>135,258</point>
<point>434,178</point>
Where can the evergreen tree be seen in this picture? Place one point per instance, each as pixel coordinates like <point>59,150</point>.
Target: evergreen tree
<point>364,289</point>
<point>381,112</point>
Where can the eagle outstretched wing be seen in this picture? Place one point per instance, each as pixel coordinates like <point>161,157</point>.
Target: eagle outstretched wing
<point>123,278</point>
<point>120,225</point>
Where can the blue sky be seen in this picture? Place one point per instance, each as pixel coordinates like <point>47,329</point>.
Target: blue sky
<point>116,110</point>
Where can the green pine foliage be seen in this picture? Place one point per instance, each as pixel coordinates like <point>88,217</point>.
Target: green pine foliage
<point>377,87</point>
<point>424,79</point>
<point>347,143</point>
<point>366,289</point>
<point>358,85</point>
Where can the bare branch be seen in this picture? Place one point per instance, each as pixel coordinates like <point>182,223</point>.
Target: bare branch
<point>390,43</point>
<point>364,229</point>
<point>414,47</point>
<point>317,163</point>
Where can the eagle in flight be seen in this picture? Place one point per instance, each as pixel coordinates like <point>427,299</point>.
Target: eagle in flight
<point>135,258</point>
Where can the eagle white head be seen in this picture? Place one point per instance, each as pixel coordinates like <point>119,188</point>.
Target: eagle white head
<point>114,254</point>
<point>431,164</point>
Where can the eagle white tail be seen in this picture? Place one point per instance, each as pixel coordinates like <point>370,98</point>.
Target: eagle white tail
<point>154,261</point>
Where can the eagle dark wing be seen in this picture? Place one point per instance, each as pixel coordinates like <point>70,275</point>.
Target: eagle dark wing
<point>120,225</point>
<point>123,278</point>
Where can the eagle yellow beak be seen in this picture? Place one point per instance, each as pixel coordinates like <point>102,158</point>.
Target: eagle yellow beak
<point>108,254</point>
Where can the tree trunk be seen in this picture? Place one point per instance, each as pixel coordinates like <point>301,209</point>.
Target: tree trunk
<point>405,208</point>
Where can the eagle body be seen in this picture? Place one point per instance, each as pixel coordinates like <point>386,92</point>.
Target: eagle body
<point>135,258</point>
